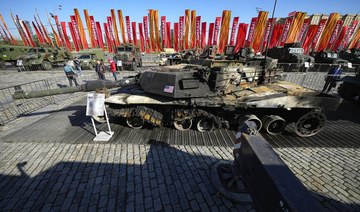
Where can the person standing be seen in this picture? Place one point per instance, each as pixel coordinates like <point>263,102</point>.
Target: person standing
<point>332,77</point>
<point>113,68</point>
<point>100,70</point>
<point>70,74</point>
<point>77,66</point>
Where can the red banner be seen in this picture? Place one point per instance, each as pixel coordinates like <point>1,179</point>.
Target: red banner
<point>168,34</point>
<point>27,33</point>
<point>309,37</point>
<point>72,32</point>
<point>197,29</point>
<point>285,33</point>
<point>303,29</point>
<point>46,35</point>
<point>133,26</point>
<point>181,31</point>
<point>240,38</point>
<point>216,30</point>
<point>111,32</point>
<point>340,39</point>
<point>61,34</point>
<point>318,33</point>
<point>176,36</point>
<point>94,34</point>
<point>350,33</point>
<point>211,34</point>
<point>233,30</point>
<point>38,34</point>
<point>107,36</point>
<point>128,30</point>
<point>276,35</point>
<point>142,40</point>
<point>251,31</point>
<point>146,31</point>
<point>76,31</point>
<point>335,33</point>
<point>99,35</point>
<point>66,38</point>
<point>267,33</point>
<point>41,31</point>
<point>163,33</point>
<point>203,34</point>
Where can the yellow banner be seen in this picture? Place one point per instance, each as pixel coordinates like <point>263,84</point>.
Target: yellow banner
<point>296,27</point>
<point>88,24</point>
<point>327,32</point>
<point>186,34</point>
<point>224,30</point>
<point>193,28</point>
<point>113,17</point>
<point>122,28</point>
<point>81,29</point>
<point>157,34</point>
<point>355,40</point>
<point>259,30</point>
<point>151,20</point>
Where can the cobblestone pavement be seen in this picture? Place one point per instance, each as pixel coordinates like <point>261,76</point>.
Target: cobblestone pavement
<point>105,177</point>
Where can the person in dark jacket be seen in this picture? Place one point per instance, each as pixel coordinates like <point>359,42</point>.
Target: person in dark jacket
<point>332,77</point>
<point>77,66</point>
<point>70,74</point>
<point>100,70</point>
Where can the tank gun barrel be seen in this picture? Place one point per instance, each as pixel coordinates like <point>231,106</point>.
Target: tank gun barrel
<point>88,86</point>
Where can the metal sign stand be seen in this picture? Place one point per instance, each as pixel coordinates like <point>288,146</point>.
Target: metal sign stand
<point>95,107</point>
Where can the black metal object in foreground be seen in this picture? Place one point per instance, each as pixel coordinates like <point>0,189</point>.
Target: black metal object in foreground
<point>272,185</point>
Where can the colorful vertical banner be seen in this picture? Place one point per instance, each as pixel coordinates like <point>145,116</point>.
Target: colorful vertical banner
<point>111,31</point>
<point>128,28</point>
<point>303,29</point>
<point>355,40</point>
<point>224,31</point>
<point>133,26</point>
<point>251,32</point>
<point>259,30</point>
<point>72,32</point>
<point>286,30</point>
<point>56,36</point>
<point>27,33</point>
<point>203,34</point>
<point>61,34</point>
<point>41,31</point>
<point>267,37</point>
<point>76,31</point>
<point>335,33</point>
<point>163,33</point>
<point>241,36</point>
<point>142,39</point>
<point>211,34</point>
<point>114,27</point>
<point>233,30</point>
<point>66,38</point>
<point>93,30</point>
<point>157,34</point>
<point>309,37</point>
<point>99,35</point>
<point>181,32</point>
<point>81,29</point>
<point>49,41</point>
<point>197,30</point>
<point>193,29</point>
<point>122,27</point>
<point>40,38</point>
<point>350,33</point>
<point>340,38</point>
<point>318,34</point>
<point>187,26</point>
<point>107,36</point>
<point>297,23</point>
<point>329,28</point>
<point>11,38</point>
<point>276,35</point>
<point>89,28</point>
<point>21,32</point>
<point>216,30</point>
<point>168,35</point>
<point>146,32</point>
<point>152,36</point>
<point>176,36</point>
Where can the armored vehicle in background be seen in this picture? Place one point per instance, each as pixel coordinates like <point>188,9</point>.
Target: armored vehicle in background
<point>10,53</point>
<point>89,57</point>
<point>325,59</point>
<point>128,56</point>
<point>44,58</point>
<point>194,96</point>
<point>291,57</point>
<point>353,56</point>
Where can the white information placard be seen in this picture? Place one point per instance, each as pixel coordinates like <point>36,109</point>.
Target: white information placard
<point>307,64</point>
<point>119,63</point>
<point>349,65</point>
<point>95,104</point>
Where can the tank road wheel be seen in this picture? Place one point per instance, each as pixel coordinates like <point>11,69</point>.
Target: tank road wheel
<point>251,117</point>
<point>274,125</point>
<point>183,125</point>
<point>46,65</point>
<point>205,124</point>
<point>101,119</point>
<point>135,122</point>
<point>310,124</point>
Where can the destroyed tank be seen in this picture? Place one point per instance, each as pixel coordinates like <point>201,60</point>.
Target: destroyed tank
<point>193,96</point>
<point>350,87</point>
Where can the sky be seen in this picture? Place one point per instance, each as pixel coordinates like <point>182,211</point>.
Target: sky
<point>172,9</point>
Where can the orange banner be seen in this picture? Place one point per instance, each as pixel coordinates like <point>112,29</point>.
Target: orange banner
<point>13,41</point>
<point>81,29</point>
<point>49,40</point>
<point>21,32</point>
<point>193,29</point>
<point>259,30</point>
<point>90,31</point>
<point>157,34</point>
<point>122,27</point>
<point>224,31</point>
<point>296,27</point>
<point>186,34</point>
<point>329,28</point>
<point>115,30</point>
<point>355,40</point>
<point>152,40</point>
